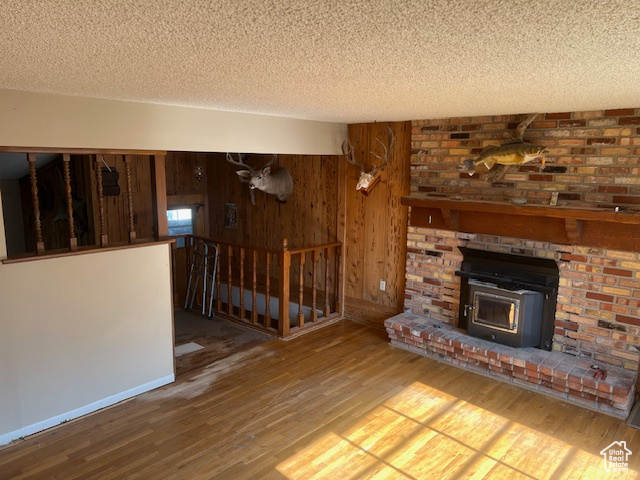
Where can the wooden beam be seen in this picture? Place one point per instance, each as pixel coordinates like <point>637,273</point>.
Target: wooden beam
<point>526,210</point>
<point>80,151</point>
<point>341,229</point>
<point>159,192</point>
<point>576,226</point>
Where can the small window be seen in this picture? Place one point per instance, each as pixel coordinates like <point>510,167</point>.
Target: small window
<point>180,223</point>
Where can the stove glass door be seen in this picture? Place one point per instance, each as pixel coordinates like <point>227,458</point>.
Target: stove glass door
<point>495,311</point>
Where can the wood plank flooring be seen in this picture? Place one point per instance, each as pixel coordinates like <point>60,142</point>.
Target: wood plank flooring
<point>337,403</point>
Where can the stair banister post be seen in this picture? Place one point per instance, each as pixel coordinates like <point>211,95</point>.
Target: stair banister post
<point>283,294</point>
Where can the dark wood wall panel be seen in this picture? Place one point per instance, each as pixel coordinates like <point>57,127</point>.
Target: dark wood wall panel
<point>307,218</point>
<point>323,208</point>
<point>376,225</point>
<point>116,207</point>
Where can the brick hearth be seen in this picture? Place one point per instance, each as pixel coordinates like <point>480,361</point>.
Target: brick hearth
<point>561,375</point>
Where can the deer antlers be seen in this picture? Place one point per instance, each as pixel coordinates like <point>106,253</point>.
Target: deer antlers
<point>241,158</point>
<point>240,162</point>
<point>366,180</point>
<point>348,149</point>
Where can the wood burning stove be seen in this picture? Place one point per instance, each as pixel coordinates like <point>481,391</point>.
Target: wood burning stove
<point>508,299</point>
<point>511,317</point>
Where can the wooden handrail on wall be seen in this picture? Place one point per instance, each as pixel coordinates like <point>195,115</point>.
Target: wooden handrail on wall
<point>297,269</point>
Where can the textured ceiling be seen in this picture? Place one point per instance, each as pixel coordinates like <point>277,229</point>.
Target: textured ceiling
<point>336,60</point>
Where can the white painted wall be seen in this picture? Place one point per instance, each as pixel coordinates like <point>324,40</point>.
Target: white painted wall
<point>79,333</point>
<point>47,120</point>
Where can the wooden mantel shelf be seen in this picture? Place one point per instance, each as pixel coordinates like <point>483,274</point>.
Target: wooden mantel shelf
<point>564,225</point>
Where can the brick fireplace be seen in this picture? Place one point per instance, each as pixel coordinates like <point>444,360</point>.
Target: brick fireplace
<point>594,162</point>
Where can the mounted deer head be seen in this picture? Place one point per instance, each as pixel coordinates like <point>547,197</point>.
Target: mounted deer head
<point>279,184</point>
<point>368,179</point>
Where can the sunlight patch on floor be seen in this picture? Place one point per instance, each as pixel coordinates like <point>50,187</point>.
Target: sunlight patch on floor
<point>424,433</point>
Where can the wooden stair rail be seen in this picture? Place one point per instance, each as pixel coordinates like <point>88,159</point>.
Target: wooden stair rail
<point>234,259</point>
<point>96,161</point>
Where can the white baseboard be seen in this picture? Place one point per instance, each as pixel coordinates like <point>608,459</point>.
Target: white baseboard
<point>80,411</point>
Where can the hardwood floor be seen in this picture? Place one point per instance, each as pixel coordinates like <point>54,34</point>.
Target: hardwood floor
<point>337,403</point>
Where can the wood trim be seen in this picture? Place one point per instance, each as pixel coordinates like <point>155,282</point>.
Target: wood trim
<point>317,247</point>
<point>564,225</point>
<point>159,189</point>
<point>263,249</point>
<point>86,250</point>
<point>527,210</point>
<point>284,290</point>
<point>341,229</point>
<point>80,151</point>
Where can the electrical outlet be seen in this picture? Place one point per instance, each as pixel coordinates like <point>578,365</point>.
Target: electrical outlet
<point>383,285</point>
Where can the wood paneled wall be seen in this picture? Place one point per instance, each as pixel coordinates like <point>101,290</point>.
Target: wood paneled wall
<point>309,217</point>
<point>180,169</point>
<point>323,208</point>
<point>117,208</point>
<point>53,207</point>
<point>53,210</point>
<point>375,226</point>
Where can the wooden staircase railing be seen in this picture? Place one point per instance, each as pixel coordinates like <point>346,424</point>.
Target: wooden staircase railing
<point>97,157</point>
<point>261,275</point>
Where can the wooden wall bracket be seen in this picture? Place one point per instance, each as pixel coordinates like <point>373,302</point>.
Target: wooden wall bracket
<point>574,230</point>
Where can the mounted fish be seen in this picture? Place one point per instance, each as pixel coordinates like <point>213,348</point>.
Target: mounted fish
<point>513,152</point>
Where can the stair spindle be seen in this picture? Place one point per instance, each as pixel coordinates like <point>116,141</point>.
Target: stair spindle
<point>36,203</point>
<point>73,241</point>
<point>132,228</point>
<point>229,281</point>
<point>314,293</point>
<point>327,306</point>
<point>267,307</point>
<point>301,290</point>
<point>104,239</point>
<point>242,310</point>
<point>218,276</point>
<point>254,291</point>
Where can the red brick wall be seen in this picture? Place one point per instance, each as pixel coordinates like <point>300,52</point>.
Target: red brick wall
<point>594,157</point>
<point>594,160</point>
